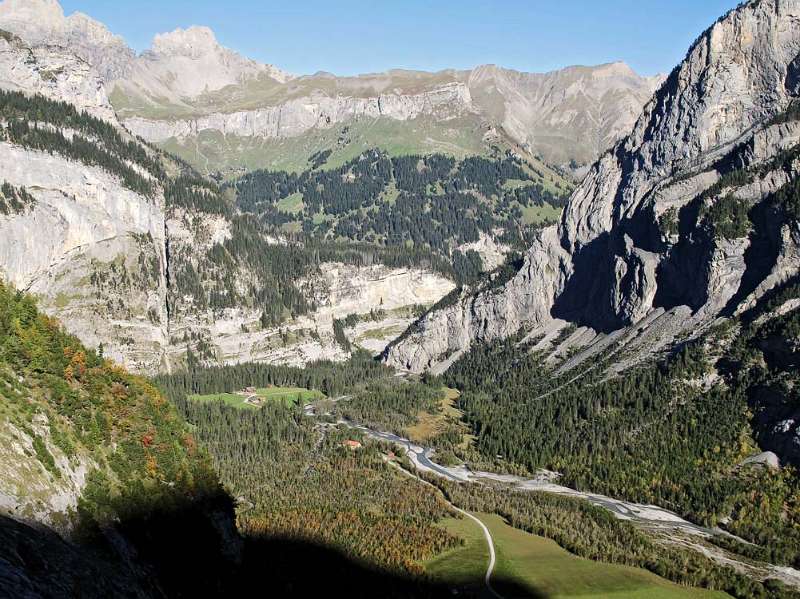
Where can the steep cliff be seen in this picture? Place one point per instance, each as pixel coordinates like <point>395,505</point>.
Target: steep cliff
<point>90,245</point>
<point>676,225</point>
<point>42,22</point>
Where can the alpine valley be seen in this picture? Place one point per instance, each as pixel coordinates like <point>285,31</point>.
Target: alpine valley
<point>482,332</point>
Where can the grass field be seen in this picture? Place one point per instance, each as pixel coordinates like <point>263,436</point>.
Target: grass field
<point>287,395</point>
<point>536,215</point>
<point>543,569</point>
<point>291,204</point>
<point>464,565</point>
<point>381,332</point>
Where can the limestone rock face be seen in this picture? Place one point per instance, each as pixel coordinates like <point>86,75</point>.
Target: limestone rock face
<point>90,248</point>
<point>337,290</point>
<point>42,22</point>
<point>614,260</point>
<point>28,491</point>
<point>54,73</point>
<point>301,115</point>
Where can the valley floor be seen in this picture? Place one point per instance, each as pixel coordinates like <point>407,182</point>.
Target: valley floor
<point>662,523</point>
<point>541,568</point>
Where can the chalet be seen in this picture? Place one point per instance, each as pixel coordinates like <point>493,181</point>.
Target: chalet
<point>350,444</point>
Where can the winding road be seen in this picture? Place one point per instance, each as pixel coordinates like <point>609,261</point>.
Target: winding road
<point>648,515</point>
<point>490,542</point>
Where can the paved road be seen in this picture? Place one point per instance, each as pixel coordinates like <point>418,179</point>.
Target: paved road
<point>419,455</point>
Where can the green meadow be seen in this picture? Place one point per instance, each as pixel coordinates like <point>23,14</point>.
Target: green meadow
<point>286,395</point>
<point>540,568</point>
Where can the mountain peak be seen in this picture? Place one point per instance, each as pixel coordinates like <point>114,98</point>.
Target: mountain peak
<point>31,18</point>
<point>614,69</point>
<point>192,42</point>
<point>93,30</point>
<point>33,8</point>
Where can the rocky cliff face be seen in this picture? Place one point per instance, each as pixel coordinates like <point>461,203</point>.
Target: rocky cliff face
<point>42,22</point>
<point>647,249</point>
<point>90,247</point>
<point>95,251</point>
<point>54,72</point>
<point>236,335</point>
<point>298,116</point>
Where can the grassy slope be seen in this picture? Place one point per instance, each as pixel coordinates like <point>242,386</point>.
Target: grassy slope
<point>532,215</point>
<point>212,151</point>
<point>429,425</point>
<point>544,568</point>
<point>465,564</point>
<point>291,204</point>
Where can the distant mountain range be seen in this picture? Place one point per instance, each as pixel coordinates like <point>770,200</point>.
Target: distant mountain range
<point>193,96</point>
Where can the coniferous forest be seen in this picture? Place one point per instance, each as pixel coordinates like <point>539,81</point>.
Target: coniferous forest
<point>433,202</point>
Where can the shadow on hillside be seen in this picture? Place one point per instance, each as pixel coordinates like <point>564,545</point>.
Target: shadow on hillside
<point>195,552</point>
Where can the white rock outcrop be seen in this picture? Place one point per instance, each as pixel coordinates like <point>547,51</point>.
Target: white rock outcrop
<point>338,291</point>
<point>317,111</point>
<point>42,22</point>
<point>54,73</point>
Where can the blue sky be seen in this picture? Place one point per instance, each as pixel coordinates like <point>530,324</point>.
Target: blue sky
<point>359,36</point>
